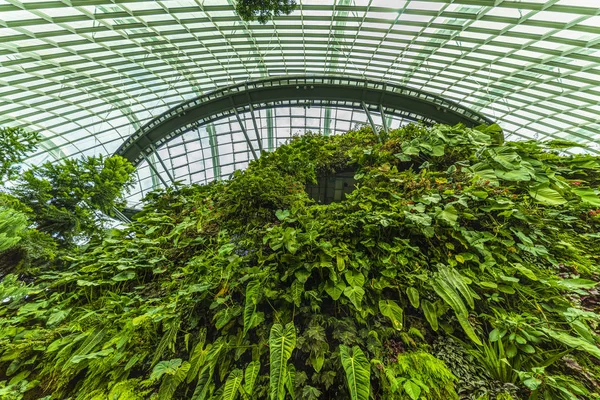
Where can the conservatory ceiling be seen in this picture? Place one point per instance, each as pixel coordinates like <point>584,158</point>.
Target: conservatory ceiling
<point>88,73</point>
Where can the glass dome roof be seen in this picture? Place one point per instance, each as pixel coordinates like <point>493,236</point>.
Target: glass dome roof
<point>88,73</point>
<point>215,150</point>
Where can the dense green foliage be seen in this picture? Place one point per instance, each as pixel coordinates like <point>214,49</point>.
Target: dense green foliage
<point>263,10</point>
<point>15,143</point>
<point>460,267</point>
<point>65,199</point>
<point>12,227</point>
<point>59,204</point>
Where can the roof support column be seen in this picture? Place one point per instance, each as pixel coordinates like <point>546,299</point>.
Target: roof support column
<point>270,130</point>
<point>260,147</point>
<point>120,216</point>
<point>153,168</point>
<point>245,133</point>
<point>364,106</point>
<point>386,130</point>
<point>327,121</point>
<point>214,149</point>
<point>162,163</point>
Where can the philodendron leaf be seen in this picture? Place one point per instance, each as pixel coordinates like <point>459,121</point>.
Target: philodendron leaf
<point>526,272</point>
<point>393,311</point>
<point>252,294</point>
<point>165,367</point>
<point>317,360</point>
<point>355,294</point>
<point>430,312</point>
<point>355,278</point>
<point>250,375</point>
<point>172,380</point>
<point>413,296</point>
<point>358,371</point>
<point>336,289</point>
<point>232,386</point>
<point>281,344</point>
<point>546,195</point>
<point>290,381</point>
<point>297,290</point>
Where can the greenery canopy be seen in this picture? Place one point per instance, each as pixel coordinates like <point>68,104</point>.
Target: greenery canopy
<point>459,267</point>
<point>263,10</point>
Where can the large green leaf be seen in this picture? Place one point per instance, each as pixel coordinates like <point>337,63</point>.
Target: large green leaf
<point>355,278</point>
<point>172,380</point>
<point>468,328</point>
<point>203,388</point>
<point>281,344</point>
<point>393,311</point>
<point>94,337</point>
<point>588,195</point>
<point>290,381</point>
<point>336,289</point>
<point>577,283</point>
<point>506,157</point>
<point>517,175</point>
<point>355,294</point>
<point>124,276</point>
<point>413,296</point>
<point>198,356</point>
<point>526,272</point>
<point>546,195</point>
<point>449,295</point>
<point>358,372</point>
<point>572,341</point>
<point>252,295</point>
<point>232,385</point>
<point>297,291</point>
<point>454,279</point>
<point>168,340</point>
<point>91,356</point>
<point>448,215</point>
<point>412,390</point>
<point>250,375</point>
<point>430,312</point>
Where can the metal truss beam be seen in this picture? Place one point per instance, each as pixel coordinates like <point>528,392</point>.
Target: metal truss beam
<point>153,168</point>
<point>293,91</point>
<point>370,118</point>
<point>162,163</point>
<point>383,121</point>
<point>245,132</point>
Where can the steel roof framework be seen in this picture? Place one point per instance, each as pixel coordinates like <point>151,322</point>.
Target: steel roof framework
<point>89,73</point>
<point>384,98</point>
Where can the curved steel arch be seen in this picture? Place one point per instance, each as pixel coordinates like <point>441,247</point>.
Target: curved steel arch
<point>369,95</point>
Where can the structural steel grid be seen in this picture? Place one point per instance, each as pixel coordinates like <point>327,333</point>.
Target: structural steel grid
<point>92,75</point>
